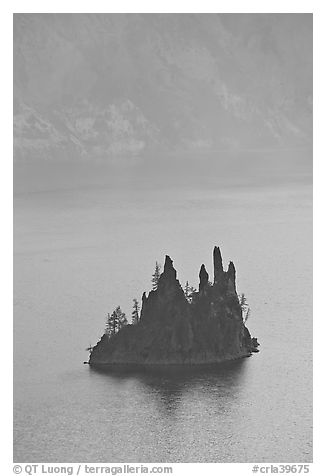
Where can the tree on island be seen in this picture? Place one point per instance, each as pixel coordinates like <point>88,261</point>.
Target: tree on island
<point>156,275</point>
<point>245,307</point>
<point>189,291</point>
<point>90,348</point>
<point>192,291</point>
<point>186,289</point>
<point>135,312</point>
<point>115,322</point>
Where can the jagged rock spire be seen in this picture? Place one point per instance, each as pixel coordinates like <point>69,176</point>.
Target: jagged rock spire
<point>168,283</point>
<point>203,277</point>
<point>168,263</point>
<point>218,265</point>
<point>231,274</point>
<point>169,270</point>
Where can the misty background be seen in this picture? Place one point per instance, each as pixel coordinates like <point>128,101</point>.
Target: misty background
<point>161,97</point>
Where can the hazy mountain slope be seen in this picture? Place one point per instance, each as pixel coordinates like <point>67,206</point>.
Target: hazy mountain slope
<point>111,86</point>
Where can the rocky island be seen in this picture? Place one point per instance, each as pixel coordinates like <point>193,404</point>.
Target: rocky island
<point>209,328</point>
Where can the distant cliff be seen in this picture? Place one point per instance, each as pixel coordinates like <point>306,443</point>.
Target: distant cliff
<point>118,86</point>
<point>172,329</point>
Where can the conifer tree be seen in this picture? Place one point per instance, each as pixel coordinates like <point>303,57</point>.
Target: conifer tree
<point>115,322</point>
<point>186,289</point>
<point>192,291</point>
<point>156,275</point>
<point>244,307</point>
<point>135,312</point>
<point>189,291</point>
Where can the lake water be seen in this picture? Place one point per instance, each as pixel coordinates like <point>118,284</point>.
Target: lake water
<point>81,252</point>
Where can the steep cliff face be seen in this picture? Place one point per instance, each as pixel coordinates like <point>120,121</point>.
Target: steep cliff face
<point>108,86</point>
<point>173,329</point>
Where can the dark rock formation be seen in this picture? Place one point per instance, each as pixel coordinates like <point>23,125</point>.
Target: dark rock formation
<point>203,278</point>
<point>231,277</point>
<point>172,330</point>
<point>218,265</point>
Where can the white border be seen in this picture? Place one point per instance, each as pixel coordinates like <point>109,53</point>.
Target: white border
<point>161,6</point>
<point>318,9</point>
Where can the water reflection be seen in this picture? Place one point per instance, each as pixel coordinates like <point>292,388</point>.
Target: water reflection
<point>171,384</point>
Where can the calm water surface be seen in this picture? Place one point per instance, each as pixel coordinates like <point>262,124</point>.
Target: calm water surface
<point>79,253</point>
